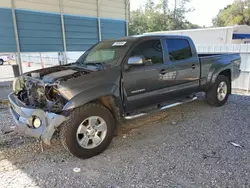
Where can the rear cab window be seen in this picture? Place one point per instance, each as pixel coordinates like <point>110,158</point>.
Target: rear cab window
<point>178,49</point>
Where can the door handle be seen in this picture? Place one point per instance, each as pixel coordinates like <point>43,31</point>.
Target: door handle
<point>193,66</point>
<point>163,71</point>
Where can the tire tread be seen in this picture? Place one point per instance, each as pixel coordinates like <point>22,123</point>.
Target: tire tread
<point>211,94</point>
<point>78,111</point>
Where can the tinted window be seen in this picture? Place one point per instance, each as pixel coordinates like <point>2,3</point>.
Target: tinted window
<point>178,49</point>
<point>151,50</point>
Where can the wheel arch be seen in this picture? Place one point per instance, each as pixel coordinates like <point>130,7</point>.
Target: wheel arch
<point>109,101</point>
<point>107,95</point>
<point>227,73</point>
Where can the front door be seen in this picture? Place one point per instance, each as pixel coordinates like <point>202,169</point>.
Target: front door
<point>144,84</point>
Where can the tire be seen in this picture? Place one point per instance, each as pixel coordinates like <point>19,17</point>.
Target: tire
<point>1,62</point>
<point>70,133</point>
<point>215,96</point>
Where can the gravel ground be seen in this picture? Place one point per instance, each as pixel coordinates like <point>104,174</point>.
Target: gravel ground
<point>186,146</point>
<point>4,92</point>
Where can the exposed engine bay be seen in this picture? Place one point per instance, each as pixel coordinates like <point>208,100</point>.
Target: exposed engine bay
<point>39,89</point>
<point>35,93</point>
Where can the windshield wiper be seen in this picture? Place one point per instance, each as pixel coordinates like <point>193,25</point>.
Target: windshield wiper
<point>94,63</point>
<point>97,64</point>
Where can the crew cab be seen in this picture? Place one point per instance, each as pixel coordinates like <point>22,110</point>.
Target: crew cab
<point>117,80</point>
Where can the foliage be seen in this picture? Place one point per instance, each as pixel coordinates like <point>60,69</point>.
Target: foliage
<point>159,17</point>
<point>237,13</point>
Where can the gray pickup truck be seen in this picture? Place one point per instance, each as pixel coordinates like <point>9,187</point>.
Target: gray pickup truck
<point>113,81</point>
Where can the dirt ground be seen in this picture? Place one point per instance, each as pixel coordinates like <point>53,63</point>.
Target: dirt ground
<point>192,145</point>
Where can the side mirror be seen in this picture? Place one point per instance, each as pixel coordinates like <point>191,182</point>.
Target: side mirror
<point>136,60</point>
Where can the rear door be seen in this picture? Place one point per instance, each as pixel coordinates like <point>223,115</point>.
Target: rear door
<point>184,61</point>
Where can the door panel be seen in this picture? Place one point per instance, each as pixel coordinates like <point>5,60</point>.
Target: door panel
<point>186,71</point>
<point>174,75</point>
<point>142,85</point>
<point>138,80</point>
<point>185,63</point>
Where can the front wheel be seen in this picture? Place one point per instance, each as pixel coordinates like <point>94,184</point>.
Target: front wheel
<point>1,62</point>
<point>218,94</point>
<point>89,131</point>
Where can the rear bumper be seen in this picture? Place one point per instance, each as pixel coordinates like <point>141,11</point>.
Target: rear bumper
<point>23,117</point>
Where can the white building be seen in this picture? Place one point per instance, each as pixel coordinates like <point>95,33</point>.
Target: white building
<point>231,39</point>
<point>238,34</point>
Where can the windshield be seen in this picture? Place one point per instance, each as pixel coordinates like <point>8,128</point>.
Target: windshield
<point>104,54</point>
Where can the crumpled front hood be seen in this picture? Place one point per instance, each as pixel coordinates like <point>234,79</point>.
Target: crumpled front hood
<point>58,73</point>
<point>72,80</point>
<point>52,77</point>
<point>72,87</point>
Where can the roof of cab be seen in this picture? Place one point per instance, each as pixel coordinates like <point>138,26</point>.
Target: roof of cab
<point>135,37</point>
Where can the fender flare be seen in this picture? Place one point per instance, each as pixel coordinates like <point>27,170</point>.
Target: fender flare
<point>94,93</point>
<point>213,74</point>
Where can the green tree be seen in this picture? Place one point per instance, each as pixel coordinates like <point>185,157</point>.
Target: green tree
<point>158,17</point>
<point>149,5</point>
<point>236,13</point>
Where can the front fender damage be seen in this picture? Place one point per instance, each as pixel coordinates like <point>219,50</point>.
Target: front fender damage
<point>55,122</point>
<point>23,117</point>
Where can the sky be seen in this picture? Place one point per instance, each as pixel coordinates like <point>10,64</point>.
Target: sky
<point>205,10</point>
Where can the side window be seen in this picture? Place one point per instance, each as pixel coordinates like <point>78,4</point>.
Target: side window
<point>179,49</point>
<point>151,50</point>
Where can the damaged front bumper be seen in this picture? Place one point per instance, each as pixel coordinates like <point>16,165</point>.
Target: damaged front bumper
<point>24,115</point>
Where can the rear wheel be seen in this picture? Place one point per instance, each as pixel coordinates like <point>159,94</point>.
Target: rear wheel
<point>1,62</point>
<point>219,92</point>
<point>89,131</point>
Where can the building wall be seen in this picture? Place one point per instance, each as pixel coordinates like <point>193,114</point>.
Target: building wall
<point>239,41</point>
<point>114,9</point>
<point>7,35</point>
<point>39,24</point>
<point>5,3</point>
<point>81,32</point>
<point>51,6</point>
<point>206,36</point>
<point>112,28</point>
<point>39,32</point>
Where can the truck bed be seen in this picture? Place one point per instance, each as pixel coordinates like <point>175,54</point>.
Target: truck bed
<point>211,61</point>
<point>205,55</point>
<point>208,55</point>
